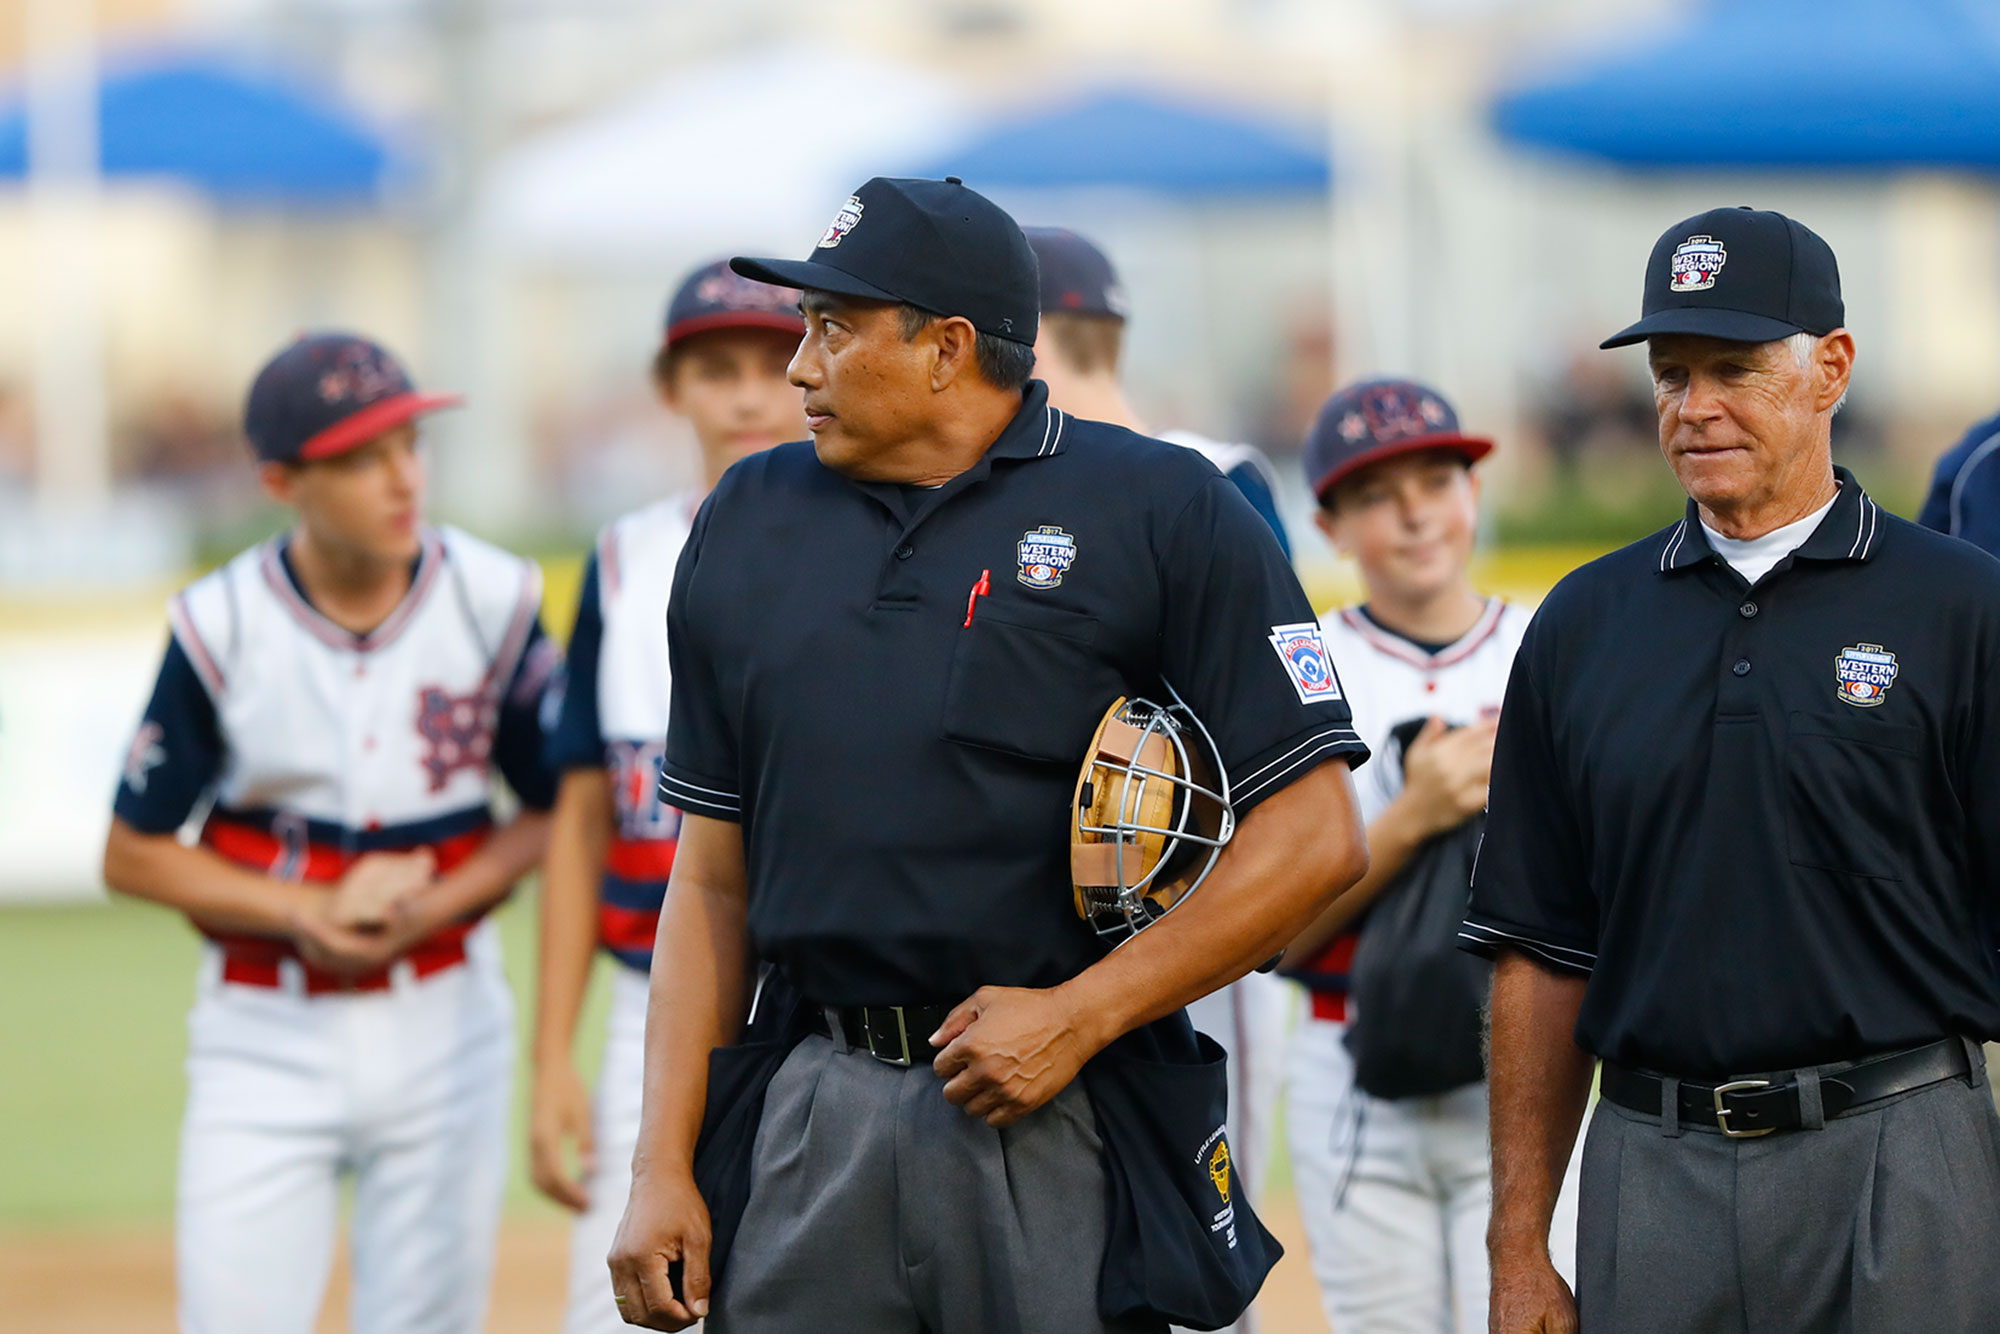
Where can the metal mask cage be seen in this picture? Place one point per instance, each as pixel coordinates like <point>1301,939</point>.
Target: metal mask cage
<point>1123,910</point>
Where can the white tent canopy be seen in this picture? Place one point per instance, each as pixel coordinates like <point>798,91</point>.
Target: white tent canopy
<point>750,152</point>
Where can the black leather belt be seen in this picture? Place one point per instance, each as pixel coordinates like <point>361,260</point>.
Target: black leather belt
<point>1746,1108</point>
<point>897,1034</point>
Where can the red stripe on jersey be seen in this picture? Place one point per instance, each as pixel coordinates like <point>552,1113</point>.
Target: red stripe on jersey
<point>256,960</point>
<point>641,858</point>
<point>627,928</point>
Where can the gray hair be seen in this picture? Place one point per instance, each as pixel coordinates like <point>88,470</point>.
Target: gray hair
<point>1802,345</point>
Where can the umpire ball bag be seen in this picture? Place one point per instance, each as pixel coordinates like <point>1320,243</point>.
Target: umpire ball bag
<point>1182,1241</point>
<point>1417,997</point>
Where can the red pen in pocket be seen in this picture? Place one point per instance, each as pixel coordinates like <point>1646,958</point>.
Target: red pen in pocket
<point>983,588</point>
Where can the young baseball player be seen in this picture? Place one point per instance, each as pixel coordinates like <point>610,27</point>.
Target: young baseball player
<point>1395,1193</point>
<point>722,366</point>
<point>1077,355</point>
<point>341,697</point>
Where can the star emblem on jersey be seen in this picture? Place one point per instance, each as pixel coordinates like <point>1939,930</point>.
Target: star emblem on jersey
<point>843,222</point>
<point>1863,674</point>
<point>1303,651</point>
<point>144,755</point>
<point>1046,554</point>
<point>1696,263</point>
<point>457,732</point>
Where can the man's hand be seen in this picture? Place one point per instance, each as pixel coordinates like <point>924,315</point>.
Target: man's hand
<point>1530,1297</point>
<point>1445,773</point>
<point>559,1114</point>
<point>368,896</point>
<point>664,1222</point>
<point>1008,1050</point>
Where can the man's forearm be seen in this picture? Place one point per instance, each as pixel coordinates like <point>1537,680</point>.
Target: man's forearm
<point>700,994</point>
<point>1290,856</point>
<point>579,834</point>
<point>1540,1082</point>
<point>1393,838</point>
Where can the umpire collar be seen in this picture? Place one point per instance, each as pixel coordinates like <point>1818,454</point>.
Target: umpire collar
<point>1036,431</point>
<point>1848,532</point>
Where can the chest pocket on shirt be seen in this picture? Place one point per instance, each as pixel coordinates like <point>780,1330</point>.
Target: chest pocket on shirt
<point>1852,784</point>
<point>1028,681</point>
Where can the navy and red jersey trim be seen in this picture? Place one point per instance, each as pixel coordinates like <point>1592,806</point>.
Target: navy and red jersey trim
<point>277,572</point>
<point>633,888</point>
<point>1395,646</point>
<point>1326,974</point>
<point>290,847</point>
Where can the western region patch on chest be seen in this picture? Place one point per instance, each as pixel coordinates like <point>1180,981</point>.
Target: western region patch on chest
<point>1045,556</point>
<point>1863,673</point>
<point>1302,649</point>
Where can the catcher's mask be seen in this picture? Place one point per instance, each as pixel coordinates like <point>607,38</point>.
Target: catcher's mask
<point>1150,817</point>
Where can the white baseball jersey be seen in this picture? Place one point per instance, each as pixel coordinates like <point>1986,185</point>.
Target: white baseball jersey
<point>317,746</point>
<point>614,715</point>
<point>614,712</point>
<point>1395,1194</point>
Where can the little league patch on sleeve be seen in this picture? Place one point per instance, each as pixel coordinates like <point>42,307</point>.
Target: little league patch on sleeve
<point>1863,674</point>
<point>1307,663</point>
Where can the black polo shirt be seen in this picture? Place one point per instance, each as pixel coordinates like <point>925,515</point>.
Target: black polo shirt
<point>1764,821</point>
<point>903,778</point>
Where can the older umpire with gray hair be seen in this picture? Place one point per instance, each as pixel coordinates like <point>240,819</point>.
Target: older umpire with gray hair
<point>1744,844</point>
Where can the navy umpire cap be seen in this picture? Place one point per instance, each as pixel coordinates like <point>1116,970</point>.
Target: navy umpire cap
<point>1744,274</point>
<point>327,393</point>
<point>935,245</point>
<point>1076,277</point>
<point>714,297</point>
<point>1378,419</point>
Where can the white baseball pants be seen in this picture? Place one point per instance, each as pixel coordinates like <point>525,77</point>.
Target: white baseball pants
<point>406,1090</point>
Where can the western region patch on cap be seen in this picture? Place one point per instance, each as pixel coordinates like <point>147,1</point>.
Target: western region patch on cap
<point>843,222</point>
<point>1696,263</point>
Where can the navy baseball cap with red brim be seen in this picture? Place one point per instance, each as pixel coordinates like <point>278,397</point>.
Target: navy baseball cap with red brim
<point>328,393</point>
<point>935,245</point>
<point>1380,419</point>
<point>1741,274</point>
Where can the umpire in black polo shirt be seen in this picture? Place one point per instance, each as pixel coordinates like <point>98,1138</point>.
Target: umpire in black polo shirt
<point>1744,845</point>
<point>890,649</point>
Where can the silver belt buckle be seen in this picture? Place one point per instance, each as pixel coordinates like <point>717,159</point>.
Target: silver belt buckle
<point>891,1057</point>
<point>1722,1113</point>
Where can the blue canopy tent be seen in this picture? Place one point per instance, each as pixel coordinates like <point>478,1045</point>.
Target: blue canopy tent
<point>1132,140</point>
<point>240,136</point>
<point>1782,83</point>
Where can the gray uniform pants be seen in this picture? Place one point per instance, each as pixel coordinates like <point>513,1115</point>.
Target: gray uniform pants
<point>1882,1221</point>
<point>879,1208</point>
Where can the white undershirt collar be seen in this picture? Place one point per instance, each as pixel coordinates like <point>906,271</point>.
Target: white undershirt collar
<point>1753,558</point>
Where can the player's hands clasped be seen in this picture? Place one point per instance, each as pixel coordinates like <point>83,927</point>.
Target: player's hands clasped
<point>1530,1297</point>
<point>1445,773</point>
<point>1008,1050</point>
<point>665,1221</point>
<point>372,916</point>
<point>559,1115</point>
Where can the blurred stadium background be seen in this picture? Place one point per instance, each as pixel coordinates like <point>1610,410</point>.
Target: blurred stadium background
<point>1299,192</point>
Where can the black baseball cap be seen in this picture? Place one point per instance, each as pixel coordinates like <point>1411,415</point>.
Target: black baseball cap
<point>715,297</point>
<point>1378,419</point>
<point>1076,277</point>
<point>932,244</point>
<point>1744,274</point>
<point>326,394</point>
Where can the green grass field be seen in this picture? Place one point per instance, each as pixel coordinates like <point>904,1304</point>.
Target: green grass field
<point>96,999</point>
